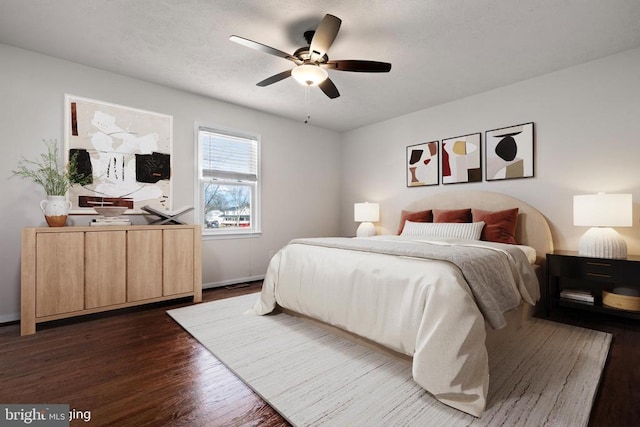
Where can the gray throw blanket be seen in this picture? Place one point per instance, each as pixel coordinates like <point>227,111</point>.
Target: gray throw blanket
<point>492,278</point>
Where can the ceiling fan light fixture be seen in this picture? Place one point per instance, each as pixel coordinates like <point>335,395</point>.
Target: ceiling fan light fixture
<point>309,75</point>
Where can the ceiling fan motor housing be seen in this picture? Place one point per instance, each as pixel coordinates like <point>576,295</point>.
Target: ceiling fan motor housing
<point>304,55</point>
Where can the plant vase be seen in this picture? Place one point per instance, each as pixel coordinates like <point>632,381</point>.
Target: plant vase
<point>55,210</point>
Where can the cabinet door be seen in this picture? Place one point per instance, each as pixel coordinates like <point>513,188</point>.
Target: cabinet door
<point>178,261</point>
<point>144,264</point>
<point>59,273</point>
<point>105,268</point>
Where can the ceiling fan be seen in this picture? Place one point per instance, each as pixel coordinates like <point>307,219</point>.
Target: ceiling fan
<point>312,60</point>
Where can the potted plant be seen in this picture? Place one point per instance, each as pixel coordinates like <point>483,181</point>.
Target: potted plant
<point>55,181</point>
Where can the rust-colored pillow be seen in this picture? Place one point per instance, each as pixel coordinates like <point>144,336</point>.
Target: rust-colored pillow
<point>500,226</point>
<point>421,216</point>
<point>452,215</point>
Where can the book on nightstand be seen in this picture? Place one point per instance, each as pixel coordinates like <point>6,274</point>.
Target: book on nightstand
<point>577,295</point>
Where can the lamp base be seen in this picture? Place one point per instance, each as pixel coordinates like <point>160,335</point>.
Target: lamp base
<point>366,229</point>
<point>602,242</point>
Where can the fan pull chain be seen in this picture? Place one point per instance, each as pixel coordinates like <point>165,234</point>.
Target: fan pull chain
<point>307,102</point>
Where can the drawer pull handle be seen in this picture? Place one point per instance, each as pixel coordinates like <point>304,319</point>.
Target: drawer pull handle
<point>599,275</point>
<point>599,264</point>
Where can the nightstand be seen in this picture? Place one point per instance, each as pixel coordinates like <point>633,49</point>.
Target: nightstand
<point>566,270</point>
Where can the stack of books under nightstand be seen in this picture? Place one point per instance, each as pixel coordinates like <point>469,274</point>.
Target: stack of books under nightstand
<point>577,295</point>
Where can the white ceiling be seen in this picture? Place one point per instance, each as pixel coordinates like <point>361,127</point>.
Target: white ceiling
<point>441,50</point>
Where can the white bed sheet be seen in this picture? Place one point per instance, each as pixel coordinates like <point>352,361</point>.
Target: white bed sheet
<point>390,300</point>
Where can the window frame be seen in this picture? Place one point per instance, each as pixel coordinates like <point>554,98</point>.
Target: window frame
<point>255,187</point>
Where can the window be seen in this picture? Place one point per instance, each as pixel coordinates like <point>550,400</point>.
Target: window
<point>228,182</point>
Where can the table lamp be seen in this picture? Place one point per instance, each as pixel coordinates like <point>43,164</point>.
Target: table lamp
<point>366,213</point>
<point>601,212</point>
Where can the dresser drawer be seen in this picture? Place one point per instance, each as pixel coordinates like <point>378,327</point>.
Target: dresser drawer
<point>584,268</point>
<point>599,270</point>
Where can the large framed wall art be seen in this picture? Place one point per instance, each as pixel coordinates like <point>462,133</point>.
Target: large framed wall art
<point>124,152</point>
<point>509,152</point>
<point>422,167</point>
<point>461,160</point>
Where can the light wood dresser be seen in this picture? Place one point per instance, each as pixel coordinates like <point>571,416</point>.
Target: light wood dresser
<point>72,271</point>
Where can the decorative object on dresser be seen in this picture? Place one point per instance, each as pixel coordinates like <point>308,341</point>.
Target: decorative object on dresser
<point>167,216</point>
<point>601,212</point>
<point>55,210</point>
<point>366,213</point>
<point>509,152</point>
<point>55,181</point>
<point>109,221</point>
<point>602,285</point>
<point>71,271</point>
<point>110,211</point>
<point>423,164</point>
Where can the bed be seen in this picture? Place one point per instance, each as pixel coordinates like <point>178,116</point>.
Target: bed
<point>442,301</point>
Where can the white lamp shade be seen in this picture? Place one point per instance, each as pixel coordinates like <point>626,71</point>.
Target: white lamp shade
<point>603,210</point>
<point>366,212</point>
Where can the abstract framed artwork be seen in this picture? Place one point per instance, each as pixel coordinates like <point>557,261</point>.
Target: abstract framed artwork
<point>125,154</point>
<point>422,164</point>
<point>509,152</point>
<point>461,160</point>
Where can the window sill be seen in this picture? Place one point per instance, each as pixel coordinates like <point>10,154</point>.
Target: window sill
<point>231,235</point>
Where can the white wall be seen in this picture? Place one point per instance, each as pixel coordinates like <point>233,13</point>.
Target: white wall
<point>300,179</point>
<point>587,139</point>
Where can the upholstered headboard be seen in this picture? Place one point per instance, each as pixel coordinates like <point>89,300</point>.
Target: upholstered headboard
<point>532,229</point>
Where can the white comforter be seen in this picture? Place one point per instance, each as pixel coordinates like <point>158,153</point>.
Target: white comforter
<point>420,307</point>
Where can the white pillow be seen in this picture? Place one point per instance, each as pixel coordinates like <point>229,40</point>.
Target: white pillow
<point>454,230</point>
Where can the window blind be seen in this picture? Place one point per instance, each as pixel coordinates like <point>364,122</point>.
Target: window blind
<point>229,157</point>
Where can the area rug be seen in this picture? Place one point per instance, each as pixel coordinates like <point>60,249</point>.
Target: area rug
<point>547,374</point>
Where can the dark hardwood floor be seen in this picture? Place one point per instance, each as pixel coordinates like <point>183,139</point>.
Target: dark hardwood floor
<point>137,367</point>
<point>129,368</point>
<point>617,403</point>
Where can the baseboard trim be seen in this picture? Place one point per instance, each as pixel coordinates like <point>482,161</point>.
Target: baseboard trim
<point>6,319</point>
<point>232,281</point>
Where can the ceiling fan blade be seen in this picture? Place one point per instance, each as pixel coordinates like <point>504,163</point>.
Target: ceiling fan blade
<point>358,66</point>
<point>324,36</point>
<point>329,88</point>
<point>275,78</point>
<point>263,48</point>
